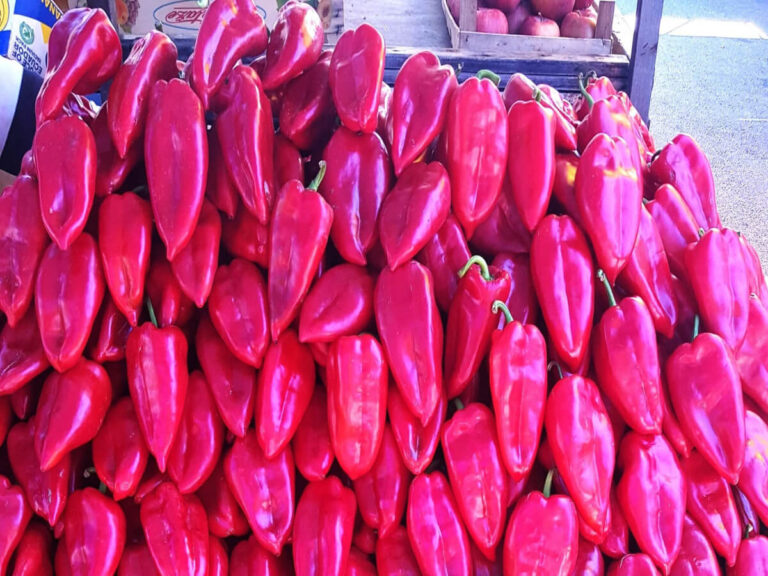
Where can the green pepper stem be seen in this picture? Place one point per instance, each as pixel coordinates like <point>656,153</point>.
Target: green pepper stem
<point>608,290</point>
<point>480,261</point>
<point>555,364</point>
<point>489,75</point>
<point>151,310</point>
<point>548,483</point>
<point>702,232</point>
<point>499,305</point>
<point>655,155</point>
<point>583,88</point>
<point>458,403</point>
<point>537,94</point>
<point>102,488</point>
<point>696,321</point>
<point>315,184</point>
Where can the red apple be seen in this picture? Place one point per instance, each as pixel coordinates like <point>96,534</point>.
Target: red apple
<point>516,17</point>
<point>453,8</point>
<point>539,26</point>
<point>553,9</point>
<point>576,25</point>
<point>505,6</point>
<point>582,4</point>
<point>491,21</point>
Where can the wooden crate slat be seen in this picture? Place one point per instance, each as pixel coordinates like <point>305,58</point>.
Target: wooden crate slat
<point>645,43</point>
<point>604,26</point>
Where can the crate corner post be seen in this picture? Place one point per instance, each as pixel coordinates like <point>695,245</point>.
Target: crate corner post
<point>645,43</point>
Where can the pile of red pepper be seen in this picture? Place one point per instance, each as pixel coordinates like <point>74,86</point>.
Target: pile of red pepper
<point>433,329</point>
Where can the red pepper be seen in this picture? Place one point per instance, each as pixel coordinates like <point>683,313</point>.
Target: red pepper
<point>6,417</point>
<point>232,382</point>
<point>683,164</point>
<point>248,557</point>
<point>627,362</point>
<point>301,224</point>
<point>471,321</point>
<point>437,536</point>
<point>176,530</point>
<point>755,470</point>
<point>477,474</point>
<point>706,369</point>
<point>542,535</point>
<point>93,535</point>
<point>294,44</point>
<point>264,489</point>
<point>157,381</point>
<point>652,494</point>
<point>521,301</point>
<point>564,185</point>
<point>312,447</point>
<point>365,537</point>
<point>476,143</point>
<point>696,557</point>
<point>218,558</point>
<point>357,69</point>
<point>125,238</point>
<point>712,506</point>
<point>752,559</point>
<point>531,159</point>
<point>394,556</point>
<point>86,54</point>
<point>563,276</point>
<point>152,58</point>
<point>14,517</point>
<point>224,515</point>
<point>675,224</point>
<point>517,367</point>
<point>609,194</point>
<point>752,355</point>
<point>22,241</point>
<point>589,561</point>
<point>68,294</point>
<point>219,189</point>
<point>111,170</point>
<point>162,288</point>
<point>411,331</point>
<point>670,425</point>
<point>718,276</point>
<point>195,265</point>
<point>633,565</point>
<point>245,237</point>
<point>22,357</point>
<point>384,124</point>
<point>33,554</point>
<point>230,30</point>
<point>322,532</point>
<point>357,401</point>
<point>616,543</point>
<point>175,137</point>
<point>423,90</point>
<point>285,386</point>
<point>119,452</point>
<point>358,564</point>
<point>755,276</point>
<point>289,165</point>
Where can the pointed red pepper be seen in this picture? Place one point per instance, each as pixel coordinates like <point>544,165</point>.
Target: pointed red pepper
<point>264,489</point>
<point>411,332</point>
<point>627,361</point>
<point>230,30</point>
<point>564,186</point>
<point>68,294</point>
<point>34,552</point>
<point>119,452</point>
<point>364,538</point>
<point>521,300</point>
<point>675,224</point>
<point>423,90</point>
<point>616,543</point>
<point>22,356</point>
<point>503,230</point>
<point>652,494</point>
<point>284,391</point>
<point>218,558</point>
<point>125,239</point>
<point>752,559</point>
<point>755,470</point>
<point>301,224</point>
<point>589,562</point>
<point>224,515</point>
<point>417,442</point>
<point>23,239</point>
<point>357,69</point>
<point>670,425</point>
<point>289,165</point>
<point>752,355</point>
<point>755,276</point>
<point>15,514</point>
<point>157,380</point>
<point>598,89</point>
<point>220,190</point>
<point>394,556</point>
<point>248,557</point>
<point>312,447</point>
<point>111,170</point>
<point>696,557</point>
<point>477,141</point>
<point>245,237</point>
<point>175,138</point>
<point>6,417</point>
<point>633,565</point>
<point>563,276</point>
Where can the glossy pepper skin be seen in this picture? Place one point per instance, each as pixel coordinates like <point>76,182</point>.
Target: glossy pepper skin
<point>609,195</point>
<point>652,496</point>
<point>312,446</point>
<point>683,164</point>
<point>357,69</point>
<point>394,556</point>
<point>696,555</point>
<point>176,159</point>
<point>15,514</point>
<point>22,357</point>
<point>289,164</point>
<point>476,148</point>
<point>417,442</point>
<point>633,565</point>
<point>220,190</point>
<point>477,474</point>
<point>711,504</point>
<point>357,179</point>
<point>616,543</point>
<point>517,366</point>
<point>248,557</point>
<point>357,376</point>
<point>264,488</point>
<point>284,391</point>
<point>411,332</point>
<point>752,355</point>
<point>125,240</point>
<point>65,155</point>
<point>521,300</point>
<point>152,58</point>
<point>503,230</point>
<point>68,294</point>
<point>423,90</point>
<point>580,436</point>
<point>33,553</point>
<point>93,535</point>
<point>626,362</point>
<point>589,561</point>
<point>156,359</point>
<point>706,369</point>
<point>676,226</point>
<point>224,515</point>
<point>563,276</point>
<point>23,239</point>
<point>752,478</point>
<point>176,530</point>
<point>437,535</point>
<point>717,260</point>
<point>301,224</point>
<point>322,532</point>
<point>70,411</point>
<point>752,559</point>
<point>531,159</point>
<point>230,30</point>
<point>471,321</point>
<point>111,170</point>
<point>169,301</point>
<point>564,186</point>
